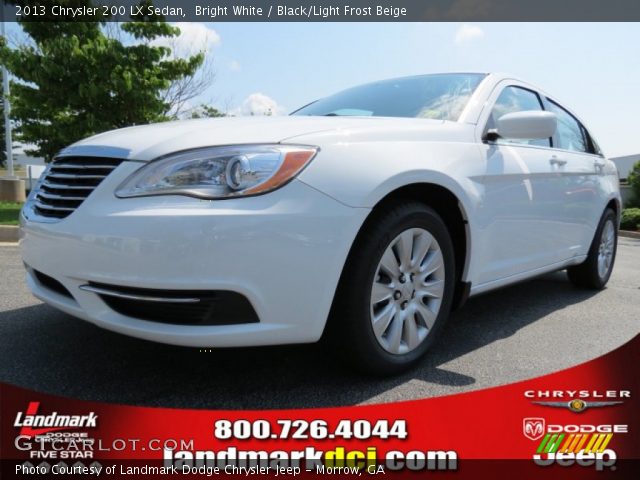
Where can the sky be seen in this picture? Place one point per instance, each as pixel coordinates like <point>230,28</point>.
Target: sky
<point>593,68</point>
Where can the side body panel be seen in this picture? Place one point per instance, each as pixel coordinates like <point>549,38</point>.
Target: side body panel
<point>526,213</point>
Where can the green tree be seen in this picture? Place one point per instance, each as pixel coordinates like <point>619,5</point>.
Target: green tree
<point>74,81</point>
<point>207,111</point>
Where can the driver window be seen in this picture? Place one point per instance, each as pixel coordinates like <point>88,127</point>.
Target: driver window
<point>516,99</point>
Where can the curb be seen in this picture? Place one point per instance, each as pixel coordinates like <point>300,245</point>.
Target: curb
<point>629,234</point>
<point>9,233</point>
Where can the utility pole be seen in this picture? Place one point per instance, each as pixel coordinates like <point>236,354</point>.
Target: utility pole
<point>7,122</point>
<point>11,187</point>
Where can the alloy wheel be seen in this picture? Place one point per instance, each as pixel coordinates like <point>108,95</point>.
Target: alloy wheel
<point>605,250</point>
<point>407,291</point>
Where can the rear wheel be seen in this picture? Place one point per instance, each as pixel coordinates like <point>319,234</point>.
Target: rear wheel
<point>595,271</point>
<point>396,290</point>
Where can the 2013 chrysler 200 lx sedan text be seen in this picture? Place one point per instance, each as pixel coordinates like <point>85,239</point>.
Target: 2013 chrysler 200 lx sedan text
<point>367,215</point>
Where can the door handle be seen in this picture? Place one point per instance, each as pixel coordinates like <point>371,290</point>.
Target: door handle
<point>557,161</point>
<point>599,165</point>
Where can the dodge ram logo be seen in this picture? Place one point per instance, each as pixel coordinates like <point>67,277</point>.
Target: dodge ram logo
<point>533,428</point>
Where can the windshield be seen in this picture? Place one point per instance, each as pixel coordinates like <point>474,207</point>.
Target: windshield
<point>441,97</point>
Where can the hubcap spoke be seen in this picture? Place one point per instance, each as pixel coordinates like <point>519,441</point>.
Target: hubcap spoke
<point>411,333</point>
<point>433,289</point>
<point>389,264</point>
<point>404,249</point>
<point>432,262</point>
<point>383,319</point>
<point>421,247</point>
<point>395,333</point>
<point>407,291</point>
<point>381,292</point>
<point>427,315</point>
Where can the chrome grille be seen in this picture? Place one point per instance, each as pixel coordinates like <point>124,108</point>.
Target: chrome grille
<point>68,181</point>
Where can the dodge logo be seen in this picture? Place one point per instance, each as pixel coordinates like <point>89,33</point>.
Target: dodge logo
<point>533,428</point>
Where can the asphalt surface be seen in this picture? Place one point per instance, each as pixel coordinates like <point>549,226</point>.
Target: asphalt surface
<point>513,334</point>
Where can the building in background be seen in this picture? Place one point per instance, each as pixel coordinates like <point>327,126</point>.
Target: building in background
<point>625,164</point>
<point>28,168</point>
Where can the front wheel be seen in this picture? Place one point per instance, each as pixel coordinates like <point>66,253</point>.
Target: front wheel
<point>595,271</point>
<point>396,291</point>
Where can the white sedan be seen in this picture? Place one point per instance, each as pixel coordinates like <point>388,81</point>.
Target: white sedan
<point>367,216</point>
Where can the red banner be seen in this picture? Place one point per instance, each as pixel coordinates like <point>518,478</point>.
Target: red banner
<point>577,423</point>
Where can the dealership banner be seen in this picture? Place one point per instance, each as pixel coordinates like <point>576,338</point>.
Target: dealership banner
<point>582,422</point>
<point>327,11</point>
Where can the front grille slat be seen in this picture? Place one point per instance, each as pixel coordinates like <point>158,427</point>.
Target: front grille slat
<point>68,182</point>
<point>69,187</point>
<point>71,166</point>
<point>49,196</point>
<point>42,206</point>
<point>64,176</point>
<point>87,161</point>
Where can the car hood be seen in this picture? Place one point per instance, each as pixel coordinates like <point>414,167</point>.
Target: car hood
<point>152,141</point>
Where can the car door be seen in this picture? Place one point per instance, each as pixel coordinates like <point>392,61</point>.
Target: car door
<point>521,217</point>
<point>581,166</point>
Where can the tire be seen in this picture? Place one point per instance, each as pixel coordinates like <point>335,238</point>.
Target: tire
<point>595,271</point>
<point>371,291</point>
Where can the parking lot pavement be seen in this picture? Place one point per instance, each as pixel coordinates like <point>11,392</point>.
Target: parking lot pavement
<point>516,333</point>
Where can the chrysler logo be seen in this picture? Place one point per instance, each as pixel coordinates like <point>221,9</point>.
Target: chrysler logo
<point>533,428</point>
<point>577,405</point>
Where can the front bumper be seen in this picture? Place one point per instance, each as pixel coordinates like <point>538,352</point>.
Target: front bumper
<point>283,251</point>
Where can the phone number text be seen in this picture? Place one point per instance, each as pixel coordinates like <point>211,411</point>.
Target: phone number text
<point>305,429</point>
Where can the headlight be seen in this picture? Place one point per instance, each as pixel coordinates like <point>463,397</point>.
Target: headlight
<point>219,172</point>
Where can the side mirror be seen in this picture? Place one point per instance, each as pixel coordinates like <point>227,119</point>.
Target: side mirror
<point>527,125</point>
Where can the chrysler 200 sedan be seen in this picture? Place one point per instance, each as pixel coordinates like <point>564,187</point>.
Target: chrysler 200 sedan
<point>366,216</point>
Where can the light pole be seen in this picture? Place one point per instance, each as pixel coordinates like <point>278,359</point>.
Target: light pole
<point>12,189</point>
<point>7,122</point>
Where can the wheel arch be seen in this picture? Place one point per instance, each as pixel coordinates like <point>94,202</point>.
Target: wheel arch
<point>614,204</point>
<point>452,211</point>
